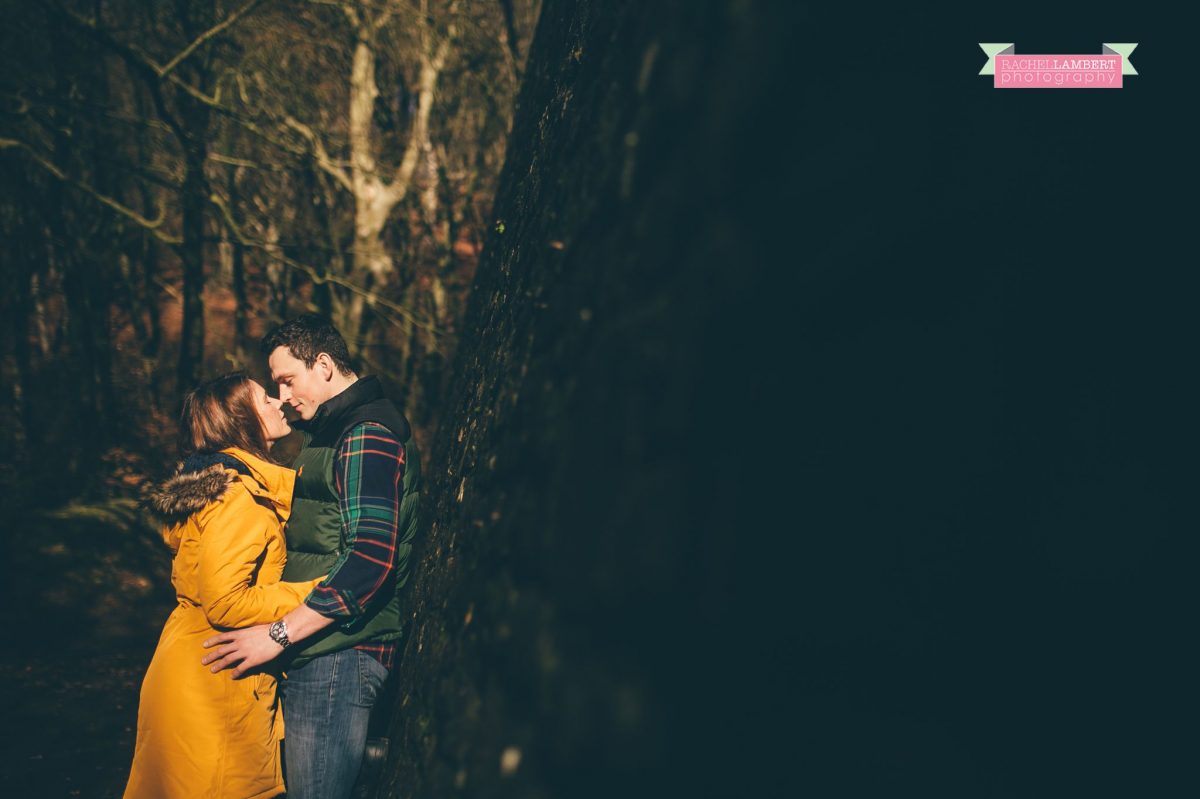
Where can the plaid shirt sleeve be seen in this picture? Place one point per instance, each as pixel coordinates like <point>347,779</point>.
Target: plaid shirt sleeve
<point>368,471</point>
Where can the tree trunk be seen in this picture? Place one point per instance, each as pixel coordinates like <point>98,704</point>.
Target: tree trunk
<point>148,251</point>
<point>191,254</point>
<point>66,254</point>
<point>372,203</point>
<point>25,230</point>
<point>105,234</point>
<point>237,257</point>
<point>152,294</point>
<point>318,214</point>
<point>25,432</point>
<point>375,195</point>
<point>278,275</point>
<point>196,18</point>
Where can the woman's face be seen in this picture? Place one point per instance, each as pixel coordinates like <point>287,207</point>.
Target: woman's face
<point>270,413</point>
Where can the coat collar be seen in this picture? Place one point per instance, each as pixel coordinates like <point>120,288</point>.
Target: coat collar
<point>205,477</point>
<point>267,480</point>
<point>328,416</point>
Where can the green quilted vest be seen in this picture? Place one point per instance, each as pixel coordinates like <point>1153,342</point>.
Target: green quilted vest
<point>315,537</point>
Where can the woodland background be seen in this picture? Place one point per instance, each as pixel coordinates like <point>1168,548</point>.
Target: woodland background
<point>179,176</point>
<point>175,178</point>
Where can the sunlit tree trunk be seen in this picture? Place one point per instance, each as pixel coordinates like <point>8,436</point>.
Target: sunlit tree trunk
<point>376,194</point>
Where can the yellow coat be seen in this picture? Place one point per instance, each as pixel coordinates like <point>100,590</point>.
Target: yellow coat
<point>202,735</point>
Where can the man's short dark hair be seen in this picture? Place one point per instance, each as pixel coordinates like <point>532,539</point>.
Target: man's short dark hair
<point>307,336</point>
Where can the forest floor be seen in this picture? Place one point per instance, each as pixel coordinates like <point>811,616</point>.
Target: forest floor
<point>87,589</point>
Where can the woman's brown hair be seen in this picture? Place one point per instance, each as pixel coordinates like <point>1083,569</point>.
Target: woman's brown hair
<point>220,413</point>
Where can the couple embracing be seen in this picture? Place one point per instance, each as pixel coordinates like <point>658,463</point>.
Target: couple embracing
<point>278,571</point>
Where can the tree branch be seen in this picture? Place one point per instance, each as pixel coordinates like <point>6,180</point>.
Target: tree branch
<point>207,35</point>
<point>231,161</point>
<point>319,155</point>
<point>381,20</point>
<point>510,29</point>
<point>139,62</point>
<point>431,68</point>
<point>238,118</point>
<point>316,275</point>
<point>152,73</point>
<point>26,106</point>
<point>137,58</point>
<point>154,226</point>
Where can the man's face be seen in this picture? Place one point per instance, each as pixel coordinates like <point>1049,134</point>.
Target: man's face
<point>301,387</point>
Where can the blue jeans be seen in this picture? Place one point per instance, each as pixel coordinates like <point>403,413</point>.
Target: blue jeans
<point>326,706</point>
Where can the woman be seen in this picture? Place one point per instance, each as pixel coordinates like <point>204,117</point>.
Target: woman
<point>201,734</point>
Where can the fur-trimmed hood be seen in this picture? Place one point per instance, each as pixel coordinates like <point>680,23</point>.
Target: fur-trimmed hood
<point>189,490</point>
<point>204,478</point>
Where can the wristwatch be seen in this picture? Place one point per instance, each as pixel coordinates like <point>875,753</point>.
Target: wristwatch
<point>278,633</point>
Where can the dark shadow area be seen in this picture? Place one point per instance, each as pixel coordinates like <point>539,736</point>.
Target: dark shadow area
<point>820,431</point>
<point>89,586</point>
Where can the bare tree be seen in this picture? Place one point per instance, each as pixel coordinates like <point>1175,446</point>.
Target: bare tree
<point>375,187</point>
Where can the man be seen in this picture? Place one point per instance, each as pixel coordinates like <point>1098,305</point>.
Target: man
<point>353,517</point>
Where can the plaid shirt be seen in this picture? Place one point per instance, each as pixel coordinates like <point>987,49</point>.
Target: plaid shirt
<point>368,473</point>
